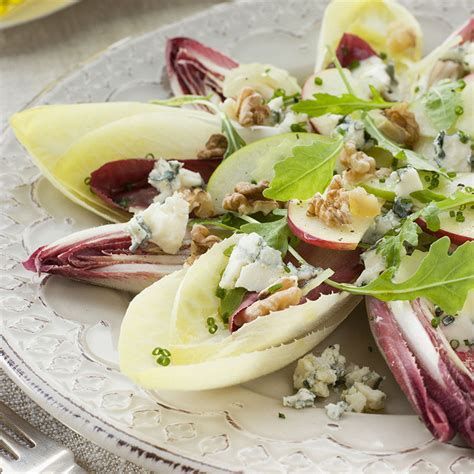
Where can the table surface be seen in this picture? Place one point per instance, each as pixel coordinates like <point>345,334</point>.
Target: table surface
<point>31,56</point>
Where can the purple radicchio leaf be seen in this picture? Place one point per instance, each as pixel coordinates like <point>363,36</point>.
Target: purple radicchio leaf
<point>124,183</point>
<point>430,374</point>
<point>194,68</point>
<point>101,256</point>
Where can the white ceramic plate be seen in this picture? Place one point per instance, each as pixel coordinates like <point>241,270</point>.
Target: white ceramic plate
<point>31,10</point>
<point>59,337</point>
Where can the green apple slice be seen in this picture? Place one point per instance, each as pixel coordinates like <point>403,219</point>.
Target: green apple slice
<point>254,162</point>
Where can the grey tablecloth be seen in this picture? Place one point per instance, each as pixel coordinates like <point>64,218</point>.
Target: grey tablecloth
<point>34,54</point>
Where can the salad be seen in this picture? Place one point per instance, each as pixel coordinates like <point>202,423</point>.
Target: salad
<point>250,214</point>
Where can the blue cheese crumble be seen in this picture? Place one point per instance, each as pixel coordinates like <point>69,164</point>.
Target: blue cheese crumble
<point>303,398</point>
<point>164,224</point>
<point>453,152</point>
<point>169,176</point>
<point>253,265</point>
<point>318,374</point>
<point>315,376</point>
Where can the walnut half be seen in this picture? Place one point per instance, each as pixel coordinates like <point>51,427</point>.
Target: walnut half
<point>200,202</point>
<point>359,166</point>
<point>248,198</point>
<point>201,241</point>
<point>283,298</point>
<point>333,209</point>
<point>215,147</point>
<point>250,108</point>
<point>402,126</point>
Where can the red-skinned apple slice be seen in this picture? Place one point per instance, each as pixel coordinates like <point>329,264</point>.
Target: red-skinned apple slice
<point>315,232</point>
<point>458,232</point>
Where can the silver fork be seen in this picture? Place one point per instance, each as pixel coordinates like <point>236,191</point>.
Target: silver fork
<point>42,455</point>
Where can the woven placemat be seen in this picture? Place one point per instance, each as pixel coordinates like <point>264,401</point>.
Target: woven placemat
<point>88,455</point>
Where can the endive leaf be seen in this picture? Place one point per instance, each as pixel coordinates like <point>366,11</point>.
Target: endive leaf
<point>197,367</point>
<point>168,133</point>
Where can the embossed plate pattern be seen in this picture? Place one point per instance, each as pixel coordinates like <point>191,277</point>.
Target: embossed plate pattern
<point>59,337</point>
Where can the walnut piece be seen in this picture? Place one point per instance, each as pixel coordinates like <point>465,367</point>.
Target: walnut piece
<point>333,209</point>
<point>359,166</point>
<point>201,241</point>
<point>248,198</point>
<point>251,108</point>
<point>400,37</point>
<point>445,69</point>
<point>402,126</point>
<point>215,147</point>
<point>278,301</point>
<point>200,202</point>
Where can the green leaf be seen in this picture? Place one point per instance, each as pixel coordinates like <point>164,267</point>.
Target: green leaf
<point>431,211</point>
<point>181,100</point>
<point>234,140</point>
<point>441,101</point>
<point>342,105</point>
<point>230,301</point>
<point>392,247</point>
<point>307,172</point>
<point>413,158</point>
<point>276,234</point>
<point>442,278</point>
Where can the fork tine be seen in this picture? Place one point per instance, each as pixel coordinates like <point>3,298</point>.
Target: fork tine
<point>11,445</point>
<point>16,423</point>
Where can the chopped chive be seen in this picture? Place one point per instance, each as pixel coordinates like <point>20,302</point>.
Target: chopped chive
<point>165,352</point>
<point>435,322</point>
<point>463,138</point>
<point>462,84</point>
<point>452,174</point>
<point>460,217</point>
<point>417,89</point>
<point>163,360</point>
<point>382,180</point>
<point>274,288</point>
<point>438,311</point>
<point>318,81</point>
<point>383,56</point>
<point>211,322</point>
<point>427,178</point>
<point>454,343</point>
<point>281,415</point>
<point>156,351</point>
<point>87,181</point>
<point>213,329</point>
<point>459,110</point>
<point>452,213</point>
<point>287,269</point>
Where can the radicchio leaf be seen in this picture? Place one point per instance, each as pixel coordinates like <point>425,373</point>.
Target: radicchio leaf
<point>352,48</point>
<point>101,256</point>
<point>467,31</point>
<point>439,391</point>
<point>124,183</point>
<point>194,68</point>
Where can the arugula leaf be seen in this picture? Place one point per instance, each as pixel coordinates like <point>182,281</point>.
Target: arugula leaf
<point>343,105</point>
<point>413,158</point>
<point>230,301</point>
<point>307,172</point>
<point>276,234</point>
<point>234,140</point>
<point>442,278</point>
<point>227,221</point>
<point>431,211</point>
<point>441,101</point>
<point>392,247</point>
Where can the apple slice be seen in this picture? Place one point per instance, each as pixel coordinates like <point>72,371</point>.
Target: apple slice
<point>315,232</point>
<point>458,232</point>
<point>329,82</point>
